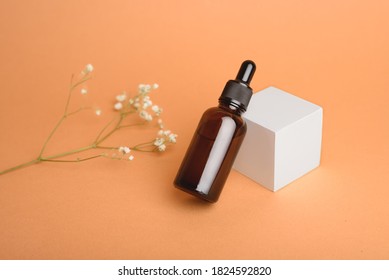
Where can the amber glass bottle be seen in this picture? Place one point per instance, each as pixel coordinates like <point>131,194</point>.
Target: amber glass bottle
<point>217,140</point>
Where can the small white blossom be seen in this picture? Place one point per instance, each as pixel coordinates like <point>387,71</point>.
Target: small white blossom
<point>144,115</point>
<point>136,105</point>
<point>147,103</point>
<point>157,110</point>
<point>121,97</point>
<point>168,135</point>
<point>155,86</point>
<point>144,89</point>
<point>162,147</point>
<point>131,101</point>
<point>173,138</point>
<point>124,150</point>
<point>98,112</point>
<point>159,141</point>
<point>88,68</point>
<point>118,106</point>
<point>160,123</point>
<point>131,157</point>
<point>84,91</point>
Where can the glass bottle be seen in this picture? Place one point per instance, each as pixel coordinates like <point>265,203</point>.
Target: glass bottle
<point>216,142</point>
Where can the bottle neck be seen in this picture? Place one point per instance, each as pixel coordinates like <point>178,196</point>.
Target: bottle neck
<point>231,105</point>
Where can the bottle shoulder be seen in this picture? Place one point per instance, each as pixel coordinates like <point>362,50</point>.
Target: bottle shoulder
<point>217,113</point>
<point>212,120</point>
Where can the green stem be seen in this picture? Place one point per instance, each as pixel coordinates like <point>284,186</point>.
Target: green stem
<point>143,151</point>
<point>78,110</point>
<point>34,161</point>
<point>53,158</point>
<point>69,96</point>
<point>102,131</point>
<point>83,80</point>
<point>141,147</point>
<point>150,143</point>
<point>51,135</point>
<point>117,126</point>
<point>65,114</point>
<point>133,124</point>
<point>75,160</point>
<point>68,153</point>
<point>130,111</point>
<point>106,148</point>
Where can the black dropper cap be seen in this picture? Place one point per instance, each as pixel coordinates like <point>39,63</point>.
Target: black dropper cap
<point>238,91</point>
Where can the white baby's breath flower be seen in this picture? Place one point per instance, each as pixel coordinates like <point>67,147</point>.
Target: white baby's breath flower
<point>146,116</point>
<point>162,147</point>
<point>147,88</point>
<point>147,104</point>
<point>131,101</point>
<point>124,150</point>
<point>84,91</point>
<point>143,114</point>
<point>167,132</point>
<point>121,97</point>
<point>131,157</point>
<point>159,141</point>
<point>144,89</point>
<point>173,138</point>
<point>118,106</point>
<point>88,69</point>
<point>157,110</point>
<point>155,86</point>
<point>168,135</point>
<point>98,112</point>
<point>160,123</point>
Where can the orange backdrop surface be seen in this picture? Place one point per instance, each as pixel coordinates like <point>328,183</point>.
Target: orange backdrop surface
<point>332,53</point>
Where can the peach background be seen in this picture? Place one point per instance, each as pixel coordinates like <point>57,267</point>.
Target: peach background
<point>333,53</point>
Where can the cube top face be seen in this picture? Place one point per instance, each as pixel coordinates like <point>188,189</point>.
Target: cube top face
<point>275,109</point>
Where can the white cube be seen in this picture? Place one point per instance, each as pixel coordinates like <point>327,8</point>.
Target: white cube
<point>283,140</point>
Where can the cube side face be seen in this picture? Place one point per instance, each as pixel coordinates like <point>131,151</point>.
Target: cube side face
<point>256,155</point>
<point>298,149</point>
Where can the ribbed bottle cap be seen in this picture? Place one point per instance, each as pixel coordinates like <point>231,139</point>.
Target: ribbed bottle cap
<point>239,90</point>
